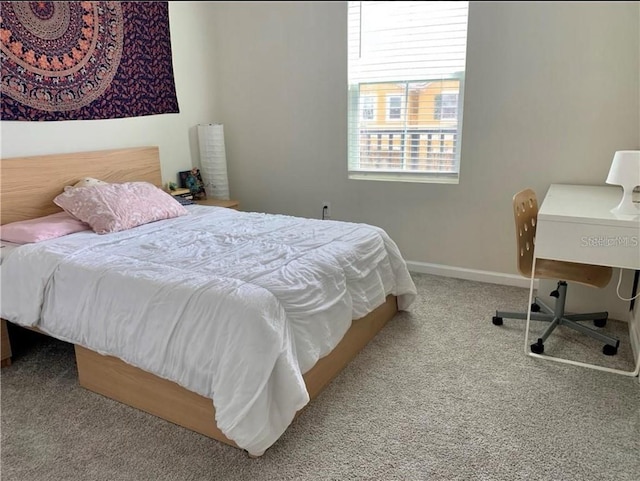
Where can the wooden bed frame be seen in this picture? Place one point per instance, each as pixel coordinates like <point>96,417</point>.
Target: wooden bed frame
<point>28,187</point>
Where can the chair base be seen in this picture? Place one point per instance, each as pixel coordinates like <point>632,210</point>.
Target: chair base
<point>556,317</point>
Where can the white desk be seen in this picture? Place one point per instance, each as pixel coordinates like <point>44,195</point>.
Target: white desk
<point>575,224</point>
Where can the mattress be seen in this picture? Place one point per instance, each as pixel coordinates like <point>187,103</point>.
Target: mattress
<point>235,306</point>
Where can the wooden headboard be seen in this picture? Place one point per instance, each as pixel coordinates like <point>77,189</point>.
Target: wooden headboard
<point>28,185</point>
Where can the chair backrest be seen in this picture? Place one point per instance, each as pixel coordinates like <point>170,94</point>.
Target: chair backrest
<point>525,212</point>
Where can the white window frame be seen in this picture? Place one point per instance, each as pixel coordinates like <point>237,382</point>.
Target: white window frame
<point>422,155</point>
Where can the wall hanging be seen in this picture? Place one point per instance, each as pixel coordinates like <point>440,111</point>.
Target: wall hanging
<point>213,160</point>
<point>85,60</point>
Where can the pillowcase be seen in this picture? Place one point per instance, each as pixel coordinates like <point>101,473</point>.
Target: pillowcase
<point>42,228</point>
<point>85,182</point>
<point>116,207</point>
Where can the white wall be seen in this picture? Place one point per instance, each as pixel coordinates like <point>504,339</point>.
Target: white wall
<point>175,134</point>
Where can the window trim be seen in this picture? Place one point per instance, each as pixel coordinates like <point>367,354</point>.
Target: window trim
<point>398,175</point>
<point>367,162</point>
<point>406,176</point>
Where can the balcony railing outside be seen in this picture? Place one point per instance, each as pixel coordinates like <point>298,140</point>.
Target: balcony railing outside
<point>418,150</point>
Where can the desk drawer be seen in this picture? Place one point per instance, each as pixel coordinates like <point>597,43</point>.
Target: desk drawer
<point>588,243</point>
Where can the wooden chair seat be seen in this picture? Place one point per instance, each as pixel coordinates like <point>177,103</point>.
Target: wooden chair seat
<point>586,274</point>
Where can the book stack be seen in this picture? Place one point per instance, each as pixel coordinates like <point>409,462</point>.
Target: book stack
<point>184,196</point>
<point>184,193</point>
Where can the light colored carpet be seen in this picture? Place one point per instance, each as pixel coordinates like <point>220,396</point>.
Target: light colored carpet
<point>441,394</point>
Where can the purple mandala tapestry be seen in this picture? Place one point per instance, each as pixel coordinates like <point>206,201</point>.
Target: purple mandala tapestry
<point>85,60</point>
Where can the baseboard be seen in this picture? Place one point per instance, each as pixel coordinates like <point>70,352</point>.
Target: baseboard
<point>471,274</point>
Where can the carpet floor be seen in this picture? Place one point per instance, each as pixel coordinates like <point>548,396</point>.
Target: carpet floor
<point>440,394</point>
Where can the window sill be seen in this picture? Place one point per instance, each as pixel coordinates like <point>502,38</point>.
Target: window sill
<point>413,177</point>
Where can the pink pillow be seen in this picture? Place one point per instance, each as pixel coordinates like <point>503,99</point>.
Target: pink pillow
<point>42,228</point>
<point>116,207</point>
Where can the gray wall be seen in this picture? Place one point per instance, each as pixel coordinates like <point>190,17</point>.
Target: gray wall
<point>552,91</point>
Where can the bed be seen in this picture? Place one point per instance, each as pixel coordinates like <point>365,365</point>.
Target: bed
<point>227,323</point>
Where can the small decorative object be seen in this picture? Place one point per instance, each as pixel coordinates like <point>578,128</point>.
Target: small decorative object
<point>192,180</point>
<point>85,182</point>
<point>625,171</point>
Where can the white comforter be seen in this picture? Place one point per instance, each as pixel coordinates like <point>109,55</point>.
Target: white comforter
<point>235,306</point>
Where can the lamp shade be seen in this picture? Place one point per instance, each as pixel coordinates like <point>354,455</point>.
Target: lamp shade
<point>625,171</point>
<point>213,160</point>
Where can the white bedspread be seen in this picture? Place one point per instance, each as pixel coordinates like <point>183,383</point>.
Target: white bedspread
<point>235,306</point>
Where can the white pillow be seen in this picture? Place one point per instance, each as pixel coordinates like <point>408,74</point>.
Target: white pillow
<point>86,182</point>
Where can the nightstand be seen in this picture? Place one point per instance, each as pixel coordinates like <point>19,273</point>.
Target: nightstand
<point>5,346</point>
<point>230,204</point>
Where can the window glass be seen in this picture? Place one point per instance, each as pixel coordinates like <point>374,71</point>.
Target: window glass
<point>409,59</point>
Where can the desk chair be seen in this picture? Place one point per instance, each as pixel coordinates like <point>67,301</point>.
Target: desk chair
<point>525,210</point>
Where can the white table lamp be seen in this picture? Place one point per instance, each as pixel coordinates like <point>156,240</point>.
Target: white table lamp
<point>625,171</point>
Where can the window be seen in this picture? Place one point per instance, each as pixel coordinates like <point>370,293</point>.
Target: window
<point>368,111</point>
<point>394,107</point>
<point>446,106</point>
<point>408,58</point>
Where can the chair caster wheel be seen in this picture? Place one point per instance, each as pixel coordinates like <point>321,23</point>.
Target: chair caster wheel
<point>497,321</point>
<point>537,348</point>
<point>535,307</point>
<point>609,350</point>
<point>555,294</point>
<point>600,322</point>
